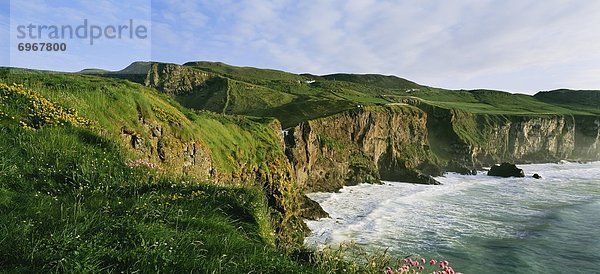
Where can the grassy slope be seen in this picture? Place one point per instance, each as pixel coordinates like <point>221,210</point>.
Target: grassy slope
<point>271,93</point>
<point>476,113</point>
<point>71,199</point>
<point>291,99</point>
<point>583,100</point>
<point>68,201</point>
<point>115,104</point>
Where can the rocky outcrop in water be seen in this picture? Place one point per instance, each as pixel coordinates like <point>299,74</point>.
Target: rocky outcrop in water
<point>506,170</point>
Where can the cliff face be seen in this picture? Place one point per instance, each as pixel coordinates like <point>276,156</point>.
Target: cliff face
<point>485,139</point>
<point>587,138</point>
<point>524,139</point>
<point>362,145</point>
<point>174,79</point>
<point>158,145</point>
<point>400,143</point>
<point>494,138</point>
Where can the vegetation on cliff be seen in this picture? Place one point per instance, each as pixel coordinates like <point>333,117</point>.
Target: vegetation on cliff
<point>185,168</point>
<point>75,197</point>
<point>467,128</point>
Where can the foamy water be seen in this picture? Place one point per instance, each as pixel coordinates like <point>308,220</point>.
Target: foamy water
<point>482,224</point>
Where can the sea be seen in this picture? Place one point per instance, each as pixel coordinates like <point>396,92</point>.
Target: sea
<point>480,224</point>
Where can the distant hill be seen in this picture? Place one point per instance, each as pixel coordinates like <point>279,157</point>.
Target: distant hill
<point>293,98</point>
<point>243,73</point>
<point>381,81</point>
<point>93,71</point>
<point>588,100</point>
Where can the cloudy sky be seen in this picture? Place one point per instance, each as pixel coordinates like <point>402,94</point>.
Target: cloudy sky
<point>514,45</point>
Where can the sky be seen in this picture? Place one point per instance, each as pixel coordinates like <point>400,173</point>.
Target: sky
<point>520,46</point>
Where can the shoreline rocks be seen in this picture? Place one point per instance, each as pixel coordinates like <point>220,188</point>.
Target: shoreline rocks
<point>506,170</point>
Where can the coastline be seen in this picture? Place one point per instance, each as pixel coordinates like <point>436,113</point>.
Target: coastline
<point>461,216</point>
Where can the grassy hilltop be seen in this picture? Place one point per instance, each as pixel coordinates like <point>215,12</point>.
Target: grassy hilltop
<point>74,199</point>
<point>293,98</point>
<point>457,118</point>
<point>169,168</point>
<point>286,96</point>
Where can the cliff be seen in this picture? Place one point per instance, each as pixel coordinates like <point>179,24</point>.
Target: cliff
<point>158,133</point>
<point>587,138</point>
<point>403,143</point>
<point>226,151</point>
<point>363,145</point>
<point>350,129</point>
<point>483,139</point>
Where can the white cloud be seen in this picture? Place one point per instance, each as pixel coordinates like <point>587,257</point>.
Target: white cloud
<point>522,45</point>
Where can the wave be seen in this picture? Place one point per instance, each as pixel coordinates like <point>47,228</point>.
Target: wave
<point>464,211</point>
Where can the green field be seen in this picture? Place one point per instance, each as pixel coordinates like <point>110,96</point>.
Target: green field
<point>293,98</point>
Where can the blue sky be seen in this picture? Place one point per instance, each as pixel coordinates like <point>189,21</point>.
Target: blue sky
<point>520,46</point>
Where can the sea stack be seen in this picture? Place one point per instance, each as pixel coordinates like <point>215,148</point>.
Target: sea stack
<point>506,170</point>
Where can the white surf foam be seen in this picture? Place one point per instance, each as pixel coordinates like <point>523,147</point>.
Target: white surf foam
<point>411,218</point>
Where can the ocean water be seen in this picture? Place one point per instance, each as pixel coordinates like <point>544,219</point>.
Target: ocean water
<point>480,224</point>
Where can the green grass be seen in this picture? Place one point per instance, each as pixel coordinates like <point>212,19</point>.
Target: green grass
<point>72,201</point>
<point>290,99</point>
<point>251,224</point>
<point>69,203</point>
<point>115,104</point>
<point>579,100</point>
<point>248,74</point>
<point>374,80</point>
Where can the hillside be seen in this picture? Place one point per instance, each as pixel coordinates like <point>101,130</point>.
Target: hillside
<point>107,175</point>
<point>295,98</point>
<point>463,125</point>
<point>204,166</point>
<point>582,100</point>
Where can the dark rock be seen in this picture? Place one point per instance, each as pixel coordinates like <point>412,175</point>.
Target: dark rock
<point>428,180</point>
<point>430,168</point>
<point>506,170</point>
<point>537,176</point>
<point>311,210</point>
<point>414,176</point>
<point>454,166</point>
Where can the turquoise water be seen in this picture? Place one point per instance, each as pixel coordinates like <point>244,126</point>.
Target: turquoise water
<point>480,224</point>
